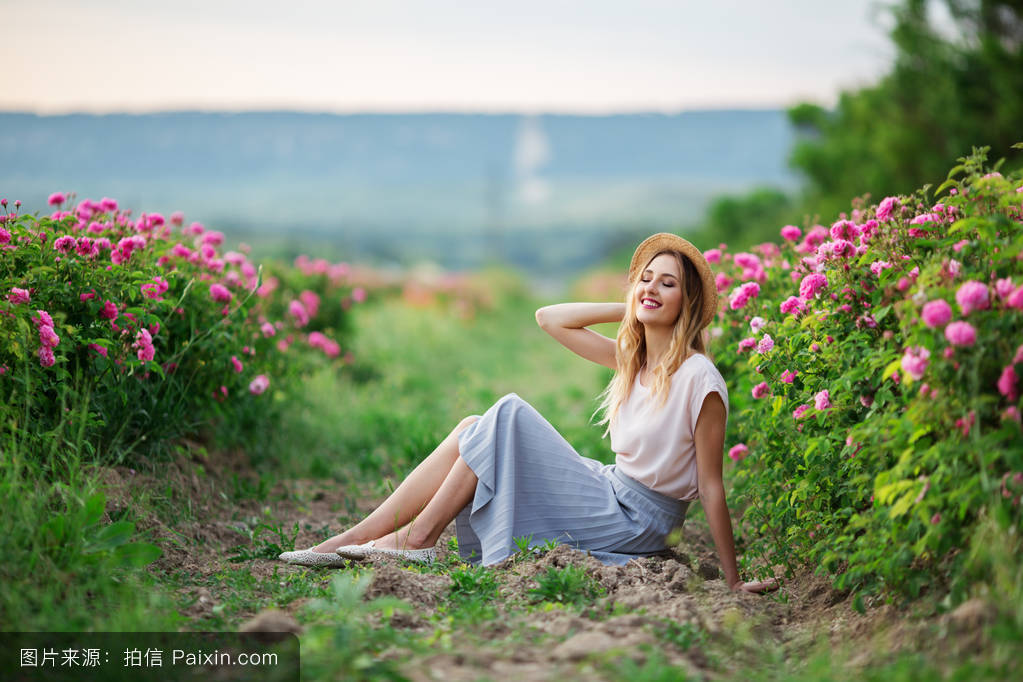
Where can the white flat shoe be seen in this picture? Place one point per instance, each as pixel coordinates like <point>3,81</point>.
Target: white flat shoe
<point>363,551</point>
<point>307,557</point>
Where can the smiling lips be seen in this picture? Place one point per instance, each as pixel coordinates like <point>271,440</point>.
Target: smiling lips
<point>650,304</point>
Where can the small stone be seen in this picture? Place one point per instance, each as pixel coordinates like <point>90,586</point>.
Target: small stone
<point>582,645</point>
<point>271,620</point>
<point>972,614</point>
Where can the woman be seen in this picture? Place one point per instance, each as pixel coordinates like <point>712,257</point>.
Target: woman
<point>508,473</point>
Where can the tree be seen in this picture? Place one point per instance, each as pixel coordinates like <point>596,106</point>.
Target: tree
<point>943,96</point>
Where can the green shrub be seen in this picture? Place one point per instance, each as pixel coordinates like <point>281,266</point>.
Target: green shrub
<point>854,465</point>
<point>151,329</point>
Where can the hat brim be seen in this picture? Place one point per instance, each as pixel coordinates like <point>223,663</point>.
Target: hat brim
<point>665,241</point>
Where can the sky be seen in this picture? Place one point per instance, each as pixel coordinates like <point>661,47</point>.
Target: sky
<point>530,56</point>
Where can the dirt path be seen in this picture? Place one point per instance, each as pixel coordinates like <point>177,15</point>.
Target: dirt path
<point>676,609</point>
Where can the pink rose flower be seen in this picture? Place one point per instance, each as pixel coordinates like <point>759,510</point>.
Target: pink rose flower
<point>936,313</point>
<point>56,199</point>
<point>792,305</point>
<point>1015,299</point>
<point>914,361</point>
<point>46,358</point>
<point>741,295</point>
<point>311,301</point>
<point>791,233</point>
<point>213,238</point>
<point>358,294</point>
<point>972,295</point>
<point>267,329</point>
<point>155,288</point>
<point>1004,287</point>
<point>298,311</point>
<point>1007,383</point>
<point>822,400</point>
<point>761,389</point>
<point>220,293</point>
<point>738,452</point>
<point>47,336</point>
<point>144,345</point>
<point>747,343</point>
<point>798,412</point>
<point>886,208</point>
<point>812,284</point>
<point>64,244</point>
<point>237,364</point>
<point>844,230</point>
<point>259,384</point>
<point>961,334</point>
<point>109,311</point>
<point>878,266</point>
<point>18,296</point>
<point>712,255</point>
<point>722,281</point>
<point>765,345</point>
<point>787,377</point>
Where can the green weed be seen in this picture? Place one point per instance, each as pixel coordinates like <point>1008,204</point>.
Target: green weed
<point>268,541</point>
<point>569,585</point>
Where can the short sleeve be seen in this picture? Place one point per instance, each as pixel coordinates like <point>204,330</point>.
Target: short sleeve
<point>706,387</point>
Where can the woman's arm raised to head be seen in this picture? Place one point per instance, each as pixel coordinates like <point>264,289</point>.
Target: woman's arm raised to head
<point>567,323</point>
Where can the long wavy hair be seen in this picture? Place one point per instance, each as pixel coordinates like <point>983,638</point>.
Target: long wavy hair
<point>630,342</point>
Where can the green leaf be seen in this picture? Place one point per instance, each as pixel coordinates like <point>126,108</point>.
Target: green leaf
<point>964,224</point>
<point>94,507</point>
<point>56,527</point>
<point>922,431</point>
<point>137,554</point>
<point>109,537</point>
<point>903,504</point>
<point>776,405</point>
<point>891,369</point>
<point>945,185</point>
<point>886,493</point>
<point>155,367</point>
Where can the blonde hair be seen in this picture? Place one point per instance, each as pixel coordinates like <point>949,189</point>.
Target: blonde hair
<point>630,342</point>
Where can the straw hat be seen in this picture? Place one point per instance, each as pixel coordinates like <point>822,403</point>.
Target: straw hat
<point>665,241</point>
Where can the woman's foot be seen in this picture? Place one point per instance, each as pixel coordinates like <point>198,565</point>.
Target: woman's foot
<point>330,545</point>
<point>307,557</point>
<point>404,538</point>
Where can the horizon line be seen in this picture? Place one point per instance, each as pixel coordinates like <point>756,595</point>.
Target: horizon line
<point>483,111</point>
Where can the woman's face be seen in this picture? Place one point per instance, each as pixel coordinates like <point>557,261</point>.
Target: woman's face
<point>658,292</point>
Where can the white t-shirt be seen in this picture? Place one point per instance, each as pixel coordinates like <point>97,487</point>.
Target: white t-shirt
<point>656,446</point>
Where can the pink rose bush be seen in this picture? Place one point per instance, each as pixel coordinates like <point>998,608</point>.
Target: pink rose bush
<point>144,313</point>
<point>861,313</point>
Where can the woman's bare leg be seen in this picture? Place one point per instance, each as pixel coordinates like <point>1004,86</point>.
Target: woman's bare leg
<point>456,492</point>
<point>408,499</point>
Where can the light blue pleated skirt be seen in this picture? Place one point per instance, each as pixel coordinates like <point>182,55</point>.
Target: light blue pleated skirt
<point>532,483</point>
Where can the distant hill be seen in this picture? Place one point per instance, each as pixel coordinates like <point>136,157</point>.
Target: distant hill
<point>545,192</point>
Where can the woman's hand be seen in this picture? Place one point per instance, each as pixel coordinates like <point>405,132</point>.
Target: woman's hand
<point>756,587</point>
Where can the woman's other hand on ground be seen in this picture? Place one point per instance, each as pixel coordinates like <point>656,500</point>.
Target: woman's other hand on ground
<point>757,586</point>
